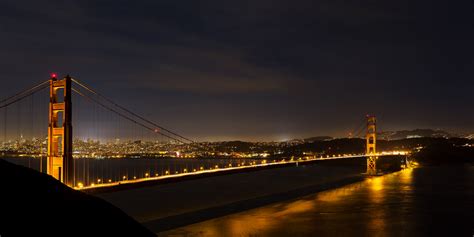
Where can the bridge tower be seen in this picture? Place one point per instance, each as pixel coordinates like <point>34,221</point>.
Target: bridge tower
<point>60,162</point>
<point>371,144</point>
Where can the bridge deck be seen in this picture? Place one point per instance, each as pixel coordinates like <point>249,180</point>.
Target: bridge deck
<point>127,184</point>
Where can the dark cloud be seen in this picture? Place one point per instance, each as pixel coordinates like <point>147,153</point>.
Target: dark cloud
<point>299,67</point>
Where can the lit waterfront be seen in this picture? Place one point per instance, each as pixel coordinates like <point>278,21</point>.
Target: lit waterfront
<point>412,202</point>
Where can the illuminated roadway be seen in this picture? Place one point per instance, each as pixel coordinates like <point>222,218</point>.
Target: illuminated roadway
<point>231,168</point>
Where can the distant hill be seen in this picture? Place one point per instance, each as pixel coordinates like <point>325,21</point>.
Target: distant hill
<point>309,140</point>
<point>442,152</point>
<point>416,133</point>
<point>397,135</point>
<point>357,145</point>
<point>318,138</point>
<point>241,146</point>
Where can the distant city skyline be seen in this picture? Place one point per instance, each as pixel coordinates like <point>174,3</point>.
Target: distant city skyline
<point>149,136</point>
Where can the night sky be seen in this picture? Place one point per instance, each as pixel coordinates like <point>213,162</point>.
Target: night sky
<point>258,69</point>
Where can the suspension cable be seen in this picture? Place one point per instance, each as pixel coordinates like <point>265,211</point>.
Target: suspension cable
<point>359,129</point>
<point>23,92</point>
<point>32,92</point>
<point>124,116</point>
<point>130,112</point>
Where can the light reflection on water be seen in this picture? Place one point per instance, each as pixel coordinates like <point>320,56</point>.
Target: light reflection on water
<point>379,206</point>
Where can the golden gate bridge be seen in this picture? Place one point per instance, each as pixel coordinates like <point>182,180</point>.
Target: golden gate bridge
<point>60,151</point>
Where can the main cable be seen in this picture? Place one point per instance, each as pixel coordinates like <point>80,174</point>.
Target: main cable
<point>358,130</point>
<point>34,91</point>
<point>23,92</point>
<point>124,116</point>
<point>129,111</point>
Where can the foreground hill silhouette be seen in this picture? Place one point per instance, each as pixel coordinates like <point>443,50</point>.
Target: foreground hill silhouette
<point>35,204</point>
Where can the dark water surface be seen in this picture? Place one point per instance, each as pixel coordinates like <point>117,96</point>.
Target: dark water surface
<point>425,201</point>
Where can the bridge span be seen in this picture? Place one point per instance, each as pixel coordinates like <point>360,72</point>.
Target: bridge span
<point>216,171</point>
<point>182,202</point>
<point>63,144</point>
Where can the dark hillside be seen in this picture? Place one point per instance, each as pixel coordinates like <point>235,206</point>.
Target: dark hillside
<point>35,204</point>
